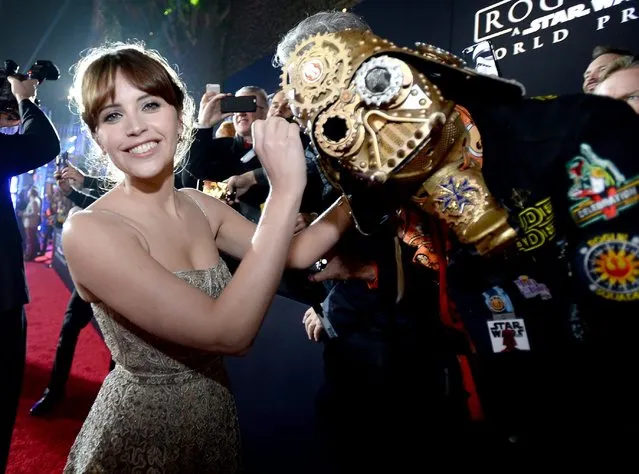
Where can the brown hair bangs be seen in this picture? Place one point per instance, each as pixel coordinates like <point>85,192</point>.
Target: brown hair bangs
<point>142,71</point>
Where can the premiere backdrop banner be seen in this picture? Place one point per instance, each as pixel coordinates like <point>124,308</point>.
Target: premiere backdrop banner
<point>545,44</point>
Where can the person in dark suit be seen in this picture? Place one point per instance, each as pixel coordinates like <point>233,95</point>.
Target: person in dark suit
<point>35,146</point>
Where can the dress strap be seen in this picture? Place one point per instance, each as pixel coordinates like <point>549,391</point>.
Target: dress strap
<point>206,217</point>
<point>197,204</point>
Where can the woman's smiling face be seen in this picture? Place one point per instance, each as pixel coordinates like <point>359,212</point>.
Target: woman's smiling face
<point>138,132</point>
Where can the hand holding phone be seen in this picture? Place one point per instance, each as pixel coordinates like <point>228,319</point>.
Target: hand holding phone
<point>210,113</point>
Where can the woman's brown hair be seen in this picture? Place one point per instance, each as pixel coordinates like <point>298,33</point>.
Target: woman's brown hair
<point>94,85</point>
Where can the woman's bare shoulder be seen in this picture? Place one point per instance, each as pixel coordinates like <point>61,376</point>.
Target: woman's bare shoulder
<point>93,223</point>
<point>94,239</point>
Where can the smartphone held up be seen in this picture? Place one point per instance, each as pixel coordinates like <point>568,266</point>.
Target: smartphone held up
<point>231,104</point>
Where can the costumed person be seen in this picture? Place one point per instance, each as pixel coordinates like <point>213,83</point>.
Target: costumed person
<point>389,362</point>
<point>165,301</point>
<point>388,124</point>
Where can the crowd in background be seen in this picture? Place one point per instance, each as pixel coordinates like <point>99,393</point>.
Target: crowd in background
<point>393,367</point>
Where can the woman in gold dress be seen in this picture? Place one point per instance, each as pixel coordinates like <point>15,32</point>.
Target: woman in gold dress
<point>147,257</point>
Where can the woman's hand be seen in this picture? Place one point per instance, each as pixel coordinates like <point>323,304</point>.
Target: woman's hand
<point>279,149</point>
<point>312,324</point>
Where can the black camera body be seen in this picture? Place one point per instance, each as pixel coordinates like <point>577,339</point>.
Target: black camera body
<point>40,71</point>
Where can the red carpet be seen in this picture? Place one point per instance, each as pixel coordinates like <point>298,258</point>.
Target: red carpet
<point>41,445</point>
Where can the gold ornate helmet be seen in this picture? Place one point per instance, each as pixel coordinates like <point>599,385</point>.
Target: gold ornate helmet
<point>385,117</point>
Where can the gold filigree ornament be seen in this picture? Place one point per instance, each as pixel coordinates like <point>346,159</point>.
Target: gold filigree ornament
<point>318,70</point>
<point>378,117</point>
<point>433,53</point>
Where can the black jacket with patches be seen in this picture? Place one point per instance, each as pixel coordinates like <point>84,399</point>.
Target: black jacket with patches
<point>577,154</point>
<point>566,169</point>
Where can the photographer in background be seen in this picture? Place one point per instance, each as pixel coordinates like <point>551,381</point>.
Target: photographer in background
<point>35,146</point>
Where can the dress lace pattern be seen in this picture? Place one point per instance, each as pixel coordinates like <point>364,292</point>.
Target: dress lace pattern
<point>164,408</point>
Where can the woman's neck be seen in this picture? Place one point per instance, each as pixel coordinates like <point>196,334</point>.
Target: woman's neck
<point>155,193</point>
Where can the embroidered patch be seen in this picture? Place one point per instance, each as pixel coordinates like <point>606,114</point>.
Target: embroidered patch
<point>508,335</point>
<point>537,223</point>
<point>611,264</point>
<point>454,195</point>
<point>529,288</point>
<point>599,189</point>
<point>499,303</point>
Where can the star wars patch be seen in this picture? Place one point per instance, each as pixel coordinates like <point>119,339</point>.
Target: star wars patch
<point>529,288</point>
<point>599,189</point>
<point>508,335</point>
<point>499,303</point>
<point>611,265</point>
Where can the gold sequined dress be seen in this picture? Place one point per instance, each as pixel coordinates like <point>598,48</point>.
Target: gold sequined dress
<point>164,408</point>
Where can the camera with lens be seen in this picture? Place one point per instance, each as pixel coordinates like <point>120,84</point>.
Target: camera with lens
<point>40,71</point>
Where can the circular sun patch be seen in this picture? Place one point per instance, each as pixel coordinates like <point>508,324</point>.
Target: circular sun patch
<point>613,266</point>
